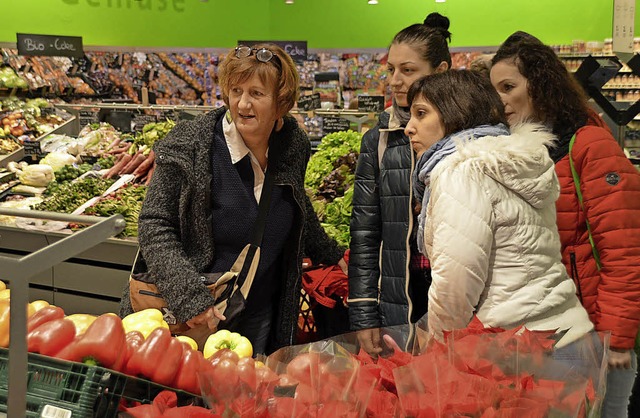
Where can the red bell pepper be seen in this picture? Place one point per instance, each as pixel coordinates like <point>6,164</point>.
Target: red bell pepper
<point>51,337</point>
<point>158,358</point>
<point>132,340</point>
<point>187,376</point>
<point>102,343</point>
<point>46,314</point>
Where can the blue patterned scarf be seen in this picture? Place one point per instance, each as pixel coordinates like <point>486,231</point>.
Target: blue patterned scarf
<point>433,156</point>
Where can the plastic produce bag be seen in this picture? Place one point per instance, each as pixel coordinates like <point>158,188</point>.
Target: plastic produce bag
<point>491,372</point>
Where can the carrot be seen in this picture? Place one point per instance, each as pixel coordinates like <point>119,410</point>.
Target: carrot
<point>149,174</point>
<point>137,159</point>
<point>115,170</point>
<point>123,147</point>
<point>114,143</point>
<point>145,165</point>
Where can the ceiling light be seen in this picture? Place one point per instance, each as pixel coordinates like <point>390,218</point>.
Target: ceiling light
<point>440,1</point>
<point>288,1</point>
<point>372,2</point>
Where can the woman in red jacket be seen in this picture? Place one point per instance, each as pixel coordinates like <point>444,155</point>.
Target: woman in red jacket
<point>598,211</point>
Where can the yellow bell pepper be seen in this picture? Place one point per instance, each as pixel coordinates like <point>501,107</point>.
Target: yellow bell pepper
<point>4,323</point>
<point>144,321</point>
<point>5,294</point>
<point>3,285</point>
<point>39,304</point>
<point>226,339</point>
<point>190,341</point>
<point>4,320</point>
<point>81,321</point>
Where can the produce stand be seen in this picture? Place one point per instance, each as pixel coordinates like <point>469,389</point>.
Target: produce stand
<point>16,155</point>
<point>20,270</point>
<point>90,282</point>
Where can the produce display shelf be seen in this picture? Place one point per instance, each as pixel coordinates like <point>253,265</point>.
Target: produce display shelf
<point>16,155</point>
<point>58,388</point>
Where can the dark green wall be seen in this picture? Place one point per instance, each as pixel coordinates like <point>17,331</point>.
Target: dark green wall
<point>340,24</point>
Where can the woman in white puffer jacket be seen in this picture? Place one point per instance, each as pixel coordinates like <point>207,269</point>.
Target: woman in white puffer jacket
<point>488,212</point>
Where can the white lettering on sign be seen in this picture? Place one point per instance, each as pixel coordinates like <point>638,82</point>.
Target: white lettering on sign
<point>293,50</point>
<point>63,46</point>
<point>32,45</point>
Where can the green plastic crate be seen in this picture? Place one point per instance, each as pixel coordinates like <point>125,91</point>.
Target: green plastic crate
<point>63,389</point>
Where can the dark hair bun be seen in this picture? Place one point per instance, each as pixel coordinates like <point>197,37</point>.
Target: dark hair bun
<point>437,21</point>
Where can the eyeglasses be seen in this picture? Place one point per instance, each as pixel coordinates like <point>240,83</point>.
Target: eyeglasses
<point>262,54</point>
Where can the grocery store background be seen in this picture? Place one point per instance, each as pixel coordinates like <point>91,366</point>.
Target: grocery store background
<point>322,23</point>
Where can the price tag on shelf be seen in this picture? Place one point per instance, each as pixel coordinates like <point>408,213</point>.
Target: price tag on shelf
<point>373,104</point>
<point>334,124</point>
<point>309,102</point>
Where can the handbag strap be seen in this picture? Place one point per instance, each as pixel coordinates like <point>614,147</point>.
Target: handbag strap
<point>576,183</point>
<point>265,195</point>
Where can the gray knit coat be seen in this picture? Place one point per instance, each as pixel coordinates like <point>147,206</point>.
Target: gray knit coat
<point>175,231</point>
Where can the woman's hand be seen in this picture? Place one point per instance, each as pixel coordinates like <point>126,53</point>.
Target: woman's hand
<point>620,359</point>
<point>211,317</point>
<point>370,341</point>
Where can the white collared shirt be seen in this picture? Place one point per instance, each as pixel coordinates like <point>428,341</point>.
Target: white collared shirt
<point>238,150</point>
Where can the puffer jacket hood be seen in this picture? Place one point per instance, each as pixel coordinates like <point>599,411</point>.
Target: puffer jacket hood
<point>518,162</point>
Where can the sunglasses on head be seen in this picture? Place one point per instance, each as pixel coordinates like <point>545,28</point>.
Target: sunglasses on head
<point>262,54</point>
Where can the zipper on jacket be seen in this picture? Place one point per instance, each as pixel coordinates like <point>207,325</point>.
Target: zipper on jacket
<point>408,247</point>
<point>298,272</point>
<point>574,274</point>
<point>149,293</point>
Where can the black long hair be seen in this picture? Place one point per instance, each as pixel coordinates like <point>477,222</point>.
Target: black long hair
<point>558,99</point>
<point>430,38</point>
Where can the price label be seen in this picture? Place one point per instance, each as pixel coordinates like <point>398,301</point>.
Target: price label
<point>87,117</point>
<point>32,148</point>
<point>142,119</point>
<point>334,124</point>
<point>370,103</point>
<point>309,102</point>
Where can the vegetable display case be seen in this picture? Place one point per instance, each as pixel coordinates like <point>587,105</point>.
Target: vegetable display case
<point>91,282</point>
<point>58,388</point>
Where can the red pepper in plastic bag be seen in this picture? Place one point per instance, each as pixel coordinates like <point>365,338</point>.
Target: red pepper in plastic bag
<point>158,358</point>
<point>102,343</point>
<point>187,376</point>
<point>51,337</point>
<point>46,314</point>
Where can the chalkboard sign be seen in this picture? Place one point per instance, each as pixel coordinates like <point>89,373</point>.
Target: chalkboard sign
<point>370,103</point>
<point>334,124</point>
<point>309,102</point>
<point>50,45</point>
<point>32,148</point>
<point>297,50</point>
<point>87,117</point>
<point>139,120</point>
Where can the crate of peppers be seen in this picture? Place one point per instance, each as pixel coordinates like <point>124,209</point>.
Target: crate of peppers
<point>83,365</point>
